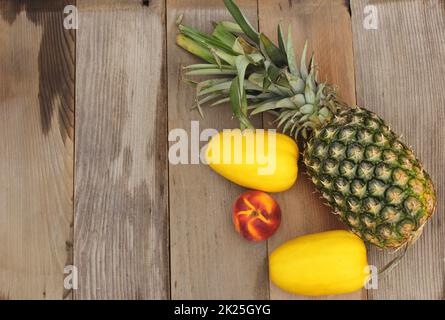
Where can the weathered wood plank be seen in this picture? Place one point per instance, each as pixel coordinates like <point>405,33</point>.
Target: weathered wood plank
<point>326,25</point>
<point>121,228</point>
<point>208,259</point>
<point>108,5</point>
<point>399,71</point>
<point>36,149</point>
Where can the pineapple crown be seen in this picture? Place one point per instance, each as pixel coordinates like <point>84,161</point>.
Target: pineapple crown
<point>255,75</point>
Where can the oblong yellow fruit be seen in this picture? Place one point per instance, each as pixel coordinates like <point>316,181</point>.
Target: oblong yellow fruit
<point>324,263</point>
<point>256,159</point>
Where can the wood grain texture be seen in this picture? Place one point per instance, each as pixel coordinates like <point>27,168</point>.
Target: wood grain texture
<point>36,149</point>
<point>110,5</point>
<point>326,25</point>
<point>121,229</point>
<point>399,71</point>
<point>208,258</point>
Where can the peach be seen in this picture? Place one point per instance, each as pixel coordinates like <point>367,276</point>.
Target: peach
<point>256,215</point>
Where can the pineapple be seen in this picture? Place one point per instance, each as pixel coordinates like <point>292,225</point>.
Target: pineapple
<point>373,182</point>
<point>371,179</point>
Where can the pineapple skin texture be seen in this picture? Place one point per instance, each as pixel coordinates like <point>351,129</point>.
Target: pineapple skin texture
<point>237,156</point>
<point>325,263</point>
<point>370,178</point>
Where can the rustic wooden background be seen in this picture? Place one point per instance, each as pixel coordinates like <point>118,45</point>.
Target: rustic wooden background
<point>84,119</point>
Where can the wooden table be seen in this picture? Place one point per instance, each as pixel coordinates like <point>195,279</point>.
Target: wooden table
<point>84,120</point>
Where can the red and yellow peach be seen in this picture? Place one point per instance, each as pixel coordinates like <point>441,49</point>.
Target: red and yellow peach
<point>256,215</point>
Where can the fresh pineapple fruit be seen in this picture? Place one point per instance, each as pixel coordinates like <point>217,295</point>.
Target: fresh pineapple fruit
<point>372,180</point>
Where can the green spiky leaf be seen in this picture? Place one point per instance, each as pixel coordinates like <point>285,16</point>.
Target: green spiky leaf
<point>272,51</point>
<point>194,48</point>
<point>204,39</point>
<point>220,54</point>
<point>232,27</point>
<point>211,72</point>
<point>224,34</point>
<point>281,42</point>
<point>265,106</point>
<point>242,21</point>
<point>241,65</point>
<point>303,67</point>
<point>238,101</point>
<point>291,54</point>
